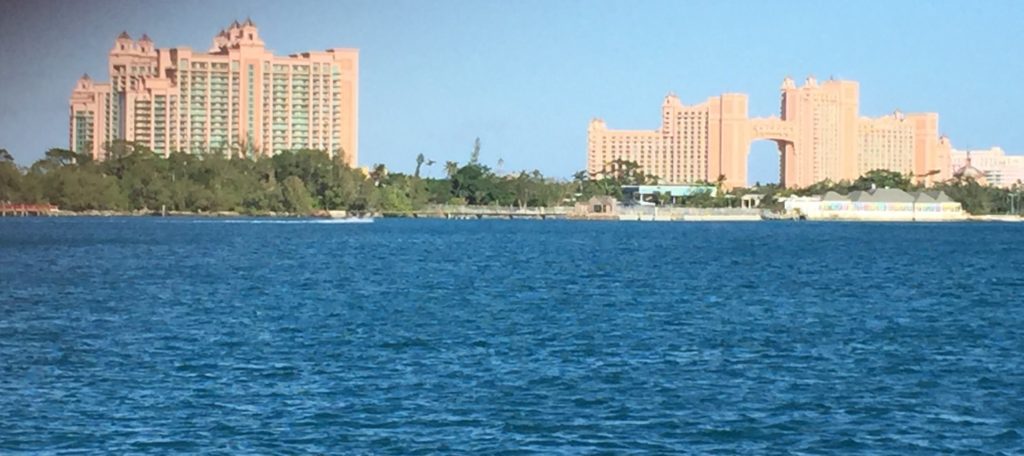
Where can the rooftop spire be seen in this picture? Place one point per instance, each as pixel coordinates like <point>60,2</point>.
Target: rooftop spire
<point>124,36</point>
<point>248,22</point>
<point>235,24</point>
<point>145,37</point>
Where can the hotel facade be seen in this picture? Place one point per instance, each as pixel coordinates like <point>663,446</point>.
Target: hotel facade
<point>819,133</point>
<point>238,98</point>
<point>993,165</point>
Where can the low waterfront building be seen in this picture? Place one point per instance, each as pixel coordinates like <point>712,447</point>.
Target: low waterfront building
<point>597,208</point>
<point>751,200</point>
<point>643,193</point>
<point>884,204</point>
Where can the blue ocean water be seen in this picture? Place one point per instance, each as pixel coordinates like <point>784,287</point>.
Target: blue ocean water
<point>154,335</point>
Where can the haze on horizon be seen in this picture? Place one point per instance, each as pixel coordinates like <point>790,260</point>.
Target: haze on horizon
<point>527,76</point>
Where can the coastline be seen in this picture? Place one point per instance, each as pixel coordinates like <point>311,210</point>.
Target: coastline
<point>489,213</point>
<point>211,214</point>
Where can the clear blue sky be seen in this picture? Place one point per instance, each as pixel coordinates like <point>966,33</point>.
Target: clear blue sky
<point>526,76</point>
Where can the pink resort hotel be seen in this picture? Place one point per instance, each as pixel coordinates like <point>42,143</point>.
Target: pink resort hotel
<point>820,135</point>
<point>238,98</point>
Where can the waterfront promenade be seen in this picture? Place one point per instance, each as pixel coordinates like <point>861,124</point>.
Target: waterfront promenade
<point>484,212</point>
<point>456,212</point>
<point>563,212</point>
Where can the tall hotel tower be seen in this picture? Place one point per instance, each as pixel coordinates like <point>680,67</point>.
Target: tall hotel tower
<point>238,98</point>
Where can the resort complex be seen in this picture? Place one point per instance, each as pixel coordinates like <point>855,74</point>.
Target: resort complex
<point>820,135</point>
<point>990,166</point>
<point>238,98</point>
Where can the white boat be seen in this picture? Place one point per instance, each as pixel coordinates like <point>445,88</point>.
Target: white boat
<point>345,217</point>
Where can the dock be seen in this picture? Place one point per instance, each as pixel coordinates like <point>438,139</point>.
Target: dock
<point>25,210</point>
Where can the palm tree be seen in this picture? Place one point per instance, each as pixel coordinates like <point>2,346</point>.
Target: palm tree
<point>719,183</point>
<point>419,162</point>
<point>378,174</point>
<point>450,168</point>
<point>664,198</point>
<point>475,156</point>
<point>240,149</point>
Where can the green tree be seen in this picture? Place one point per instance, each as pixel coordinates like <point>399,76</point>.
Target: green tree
<point>439,191</point>
<point>662,198</point>
<point>296,197</point>
<point>393,199</point>
<point>131,176</point>
<point>720,184</point>
<point>420,159</point>
<point>474,157</point>
<point>378,174</point>
<point>976,198</point>
<point>625,172</point>
<point>476,184</point>
<point>882,178</point>
<point>78,189</point>
<point>450,168</point>
<point>524,189</point>
<point>10,179</point>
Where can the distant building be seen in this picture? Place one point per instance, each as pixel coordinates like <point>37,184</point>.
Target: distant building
<point>238,98</point>
<point>883,204</point>
<point>640,193</point>
<point>597,208</point>
<point>751,200</point>
<point>820,136</point>
<point>990,166</point>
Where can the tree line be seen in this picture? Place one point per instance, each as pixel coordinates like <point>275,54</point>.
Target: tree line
<point>134,178</point>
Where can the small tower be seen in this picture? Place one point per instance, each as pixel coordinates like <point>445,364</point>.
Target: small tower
<point>84,82</point>
<point>787,83</point>
<point>671,99</point>
<point>145,44</point>
<point>123,43</point>
<point>234,32</point>
<point>220,42</point>
<point>249,33</point>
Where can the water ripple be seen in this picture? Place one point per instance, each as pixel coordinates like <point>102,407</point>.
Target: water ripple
<point>159,336</point>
